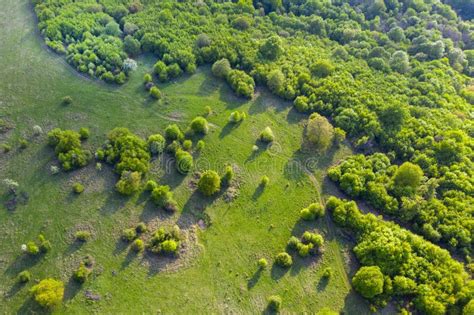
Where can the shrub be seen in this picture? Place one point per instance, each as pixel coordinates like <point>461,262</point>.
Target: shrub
<point>150,185</point>
<point>147,78</point>
<point>67,144</point>
<point>163,197</point>
<point>319,132</point>
<point>32,248</point>
<point>138,246</point>
<point>48,292</point>
<point>262,263</point>
<point>312,212</point>
<point>24,276</point>
<point>301,104</point>
<point>322,68</point>
<point>155,92</point>
<point>82,273</point>
<point>312,238</point>
<point>228,175</point>
<point>156,143</point>
<point>407,179</point>
<point>241,83</point>
<point>84,133</point>
<point>6,148</point>
<point>221,68</point>
<point>10,185</point>
<point>43,244</point>
<point>283,260</point>
<point>83,236</point>
<point>23,144</point>
<point>327,273</point>
<point>236,117</point>
<point>141,228</point>
<point>54,169</point>
<point>184,161</point>
<point>274,303</point>
<point>129,235</point>
<point>266,135</point>
<point>339,136</point>
<point>78,188</point>
<point>129,183</point>
<point>368,281</point>
<point>165,241</point>
<point>172,132</point>
<point>468,308</point>
<point>200,125</point>
<point>200,145</point>
<point>37,130</point>
<point>209,183</point>
<point>207,110</point>
<point>271,48</point>
<point>187,145</point>
<point>264,181</point>
<point>67,100</point>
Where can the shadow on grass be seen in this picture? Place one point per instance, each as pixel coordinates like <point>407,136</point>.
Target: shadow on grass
<point>120,246</point>
<point>31,307</point>
<point>253,281</point>
<point>295,117</point>
<point>114,202</point>
<point>258,192</point>
<point>74,246</point>
<point>322,284</point>
<point>231,99</point>
<point>22,262</point>
<point>278,272</point>
<point>261,148</point>
<point>131,255</point>
<point>71,289</point>
<point>15,289</point>
<point>194,209</point>
<point>228,129</point>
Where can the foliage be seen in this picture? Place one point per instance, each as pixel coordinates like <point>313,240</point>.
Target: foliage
<point>68,148</point>
<point>267,135</point>
<point>24,276</point>
<point>129,183</point>
<point>274,303</point>
<point>209,183</point>
<point>228,175</point>
<point>262,263</point>
<point>82,273</point>
<point>368,281</point>
<point>48,292</point>
<point>221,68</point>
<point>312,212</point>
<point>82,236</point>
<point>200,125</point>
<point>184,161</point>
<point>283,260</point>
<point>163,197</point>
<point>155,92</point>
<point>129,235</point>
<point>138,245</point>
<point>319,132</point>
<point>165,241</point>
<point>156,144</point>
<point>78,188</point>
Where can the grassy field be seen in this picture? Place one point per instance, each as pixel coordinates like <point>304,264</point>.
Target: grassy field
<point>217,272</point>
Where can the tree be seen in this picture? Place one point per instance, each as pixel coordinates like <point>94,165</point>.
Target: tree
<point>392,117</point>
<point>48,293</point>
<point>469,308</point>
<point>200,125</point>
<point>368,281</point>
<point>131,45</point>
<point>396,34</point>
<point>407,178</point>
<point>184,161</point>
<point>267,135</point>
<point>155,92</point>
<point>399,62</point>
<point>276,81</point>
<point>129,183</point>
<point>209,183</point>
<point>221,68</point>
<point>271,48</point>
<point>319,132</point>
<point>113,28</point>
<point>322,68</point>
<point>274,303</point>
<point>283,259</point>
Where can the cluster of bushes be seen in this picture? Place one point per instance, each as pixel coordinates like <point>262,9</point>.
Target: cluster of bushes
<point>310,243</point>
<point>165,241</point>
<point>48,293</point>
<point>42,245</point>
<point>435,210</point>
<point>239,81</point>
<point>68,148</point>
<point>162,196</point>
<point>129,153</point>
<point>401,264</point>
<point>312,212</point>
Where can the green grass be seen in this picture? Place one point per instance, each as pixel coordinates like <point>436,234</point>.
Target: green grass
<point>218,272</point>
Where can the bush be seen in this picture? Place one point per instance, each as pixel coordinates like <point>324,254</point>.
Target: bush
<point>228,175</point>
<point>82,273</point>
<point>129,183</point>
<point>141,228</point>
<point>266,135</point>
<point>264,181</point>
<point>221,68</point>
<point>48,292</point>
<point>150,185</point>
<point>163,197</point>
<point>165,242</point>
<point>327,273</point>
<point>368,281</point>
<point>67,100</point>
<point>187,145</point>
<point>84,133</point>
<point>172,132</point>
<point>78,188</point>
<point>184,161</point>
<point>32,249</point>
<point>274,303</point>
<point>156,143</point>
<point>23,144</point>
<point>6,148</point>
<point>67,144</point>
<point>83,236</point>
<point>155,93</point>
<point>43,244</point>
<point>200,145</point>
<point>322,68</point>
<point>262,263</point>
<point>147,78</point>
<point>468,308</point>
<point>129,235</point>
<point>407,179</point>
<point>200,125</point>
<point>24,276</point>
<point>319,132</point>
<point>312,212</point>
<point>236,117</point>
<point>241,83</point>
<point>138,246</point>
<point>209,183</point>
<point>283,260</point>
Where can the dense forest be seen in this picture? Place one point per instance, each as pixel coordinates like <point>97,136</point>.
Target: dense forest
<point>394,79</point>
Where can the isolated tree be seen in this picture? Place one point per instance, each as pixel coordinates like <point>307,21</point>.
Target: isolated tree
<point>200,125</point>
<point>368,281</point>
<point>209,183</point>
<point>319,132</point>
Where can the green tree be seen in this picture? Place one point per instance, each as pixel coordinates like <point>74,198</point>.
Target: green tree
<point>271,48</point>
<point>368,281</point>
<point>131,45</point>
<point>48,292</point>
<point>407,178</point>
<point>209,183</point>
<point>319,132</point>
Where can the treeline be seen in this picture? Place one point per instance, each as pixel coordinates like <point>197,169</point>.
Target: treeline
<point>412,268</point>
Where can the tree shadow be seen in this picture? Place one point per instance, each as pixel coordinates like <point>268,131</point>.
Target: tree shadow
<point>253,281</point>
<point>151,211</point>
<point>74,246</point>
<point>322,284</point>
<point>157,263</point>
<point>22,262</point>
<point>231,99</point>
<point>194,209</point>
<point>31,307</point>
<point>131,255</point>
<point>171,176</point>
<point>71,289</point>
<point>113,203</point>
<point>15,289</point>
<point>278,272</point>
<point>295,117</point>
<point>261,148</point>
<point>120,246</point>
<point>258,192</point>
<point>210,84</point>
<point>228,129</point>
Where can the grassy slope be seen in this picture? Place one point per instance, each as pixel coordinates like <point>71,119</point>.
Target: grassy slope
<point>222,276</point>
